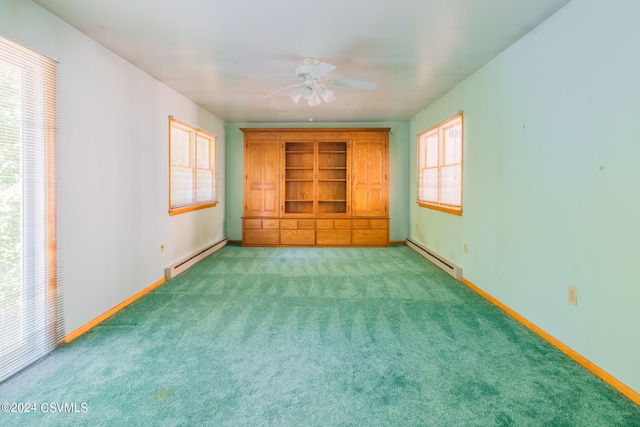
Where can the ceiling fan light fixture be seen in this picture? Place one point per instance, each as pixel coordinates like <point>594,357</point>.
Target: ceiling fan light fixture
<point>314,100</point>
<point>311,96</point>
<point>296,94</point>
<point>326,94</point>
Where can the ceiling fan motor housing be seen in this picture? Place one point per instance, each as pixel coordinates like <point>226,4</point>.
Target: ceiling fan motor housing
<point>313,69</point>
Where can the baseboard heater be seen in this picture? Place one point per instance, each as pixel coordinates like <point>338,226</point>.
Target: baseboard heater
<point>438,260</point>
<point>180,266</point>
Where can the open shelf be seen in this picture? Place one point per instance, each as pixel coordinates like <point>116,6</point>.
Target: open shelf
<point>315,177</point>
<point>299,183</point>
<point>332,178</point>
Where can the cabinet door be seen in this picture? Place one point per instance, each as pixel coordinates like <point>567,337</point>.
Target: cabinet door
<point>370,184</point>
<point>261,169</point>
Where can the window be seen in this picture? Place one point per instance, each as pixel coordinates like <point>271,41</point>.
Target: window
<point>31,316</point>
<point>192,172</point>
<point>440,166</point>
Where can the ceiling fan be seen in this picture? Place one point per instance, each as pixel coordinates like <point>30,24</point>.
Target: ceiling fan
<point>314,77</point>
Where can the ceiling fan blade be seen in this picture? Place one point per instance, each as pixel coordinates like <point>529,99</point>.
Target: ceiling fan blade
<point>352,83</point>
<point>321,69</point>
<point>272,76</point>
<point>283,89</point>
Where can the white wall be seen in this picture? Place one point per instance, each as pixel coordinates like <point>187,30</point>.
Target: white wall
<point>552,142</point>
<point>113,167</point>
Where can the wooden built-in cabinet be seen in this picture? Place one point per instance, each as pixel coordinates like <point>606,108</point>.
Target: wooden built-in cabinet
<point>313,187</point>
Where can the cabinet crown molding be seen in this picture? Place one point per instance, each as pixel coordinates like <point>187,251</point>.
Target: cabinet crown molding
<point>346,130</point>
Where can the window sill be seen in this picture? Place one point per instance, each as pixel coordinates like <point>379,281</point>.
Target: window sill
<point>442,208</point>
<point>185,209</point>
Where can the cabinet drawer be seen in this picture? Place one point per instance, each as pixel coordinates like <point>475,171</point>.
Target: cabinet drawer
<point>324,224</point>
<point>261,224</point>
<point>270,224</point>
<point>288,224</point>
<point>369,237</point>
<point>297,224</point>
<point>261,237</point>
<point>333,237</point>
<point>360,224</point>
<point>342,224</point>
<point>306,224</point>
<point>254,224</point>
<point>379,224</point>
<point>297,237</point>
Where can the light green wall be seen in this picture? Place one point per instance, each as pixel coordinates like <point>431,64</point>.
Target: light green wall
<point>398,184</point>
<point>551,181</point>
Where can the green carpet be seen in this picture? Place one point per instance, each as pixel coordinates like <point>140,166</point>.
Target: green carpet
<point>313,337</point>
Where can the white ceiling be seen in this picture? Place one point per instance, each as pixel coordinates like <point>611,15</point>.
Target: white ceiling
<point>208,50</point>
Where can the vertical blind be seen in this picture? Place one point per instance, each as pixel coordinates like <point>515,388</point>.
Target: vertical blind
<point>31,317</point>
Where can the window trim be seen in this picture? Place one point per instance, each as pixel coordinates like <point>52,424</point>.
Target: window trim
<point>442,207</point>
<point>194,133</point>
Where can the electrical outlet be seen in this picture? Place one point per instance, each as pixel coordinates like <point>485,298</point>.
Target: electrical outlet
<point>573,295</point>
<point>162,248</point>
<point>466,248</point>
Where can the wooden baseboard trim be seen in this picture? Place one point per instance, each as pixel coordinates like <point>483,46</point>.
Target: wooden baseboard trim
<point>84,328</point>
<point>627,391</point>
<point>397,242</point>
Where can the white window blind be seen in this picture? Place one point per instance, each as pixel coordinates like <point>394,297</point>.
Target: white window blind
<point>192,172</point>
<point>31,320</point>
<point>440,166</point>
